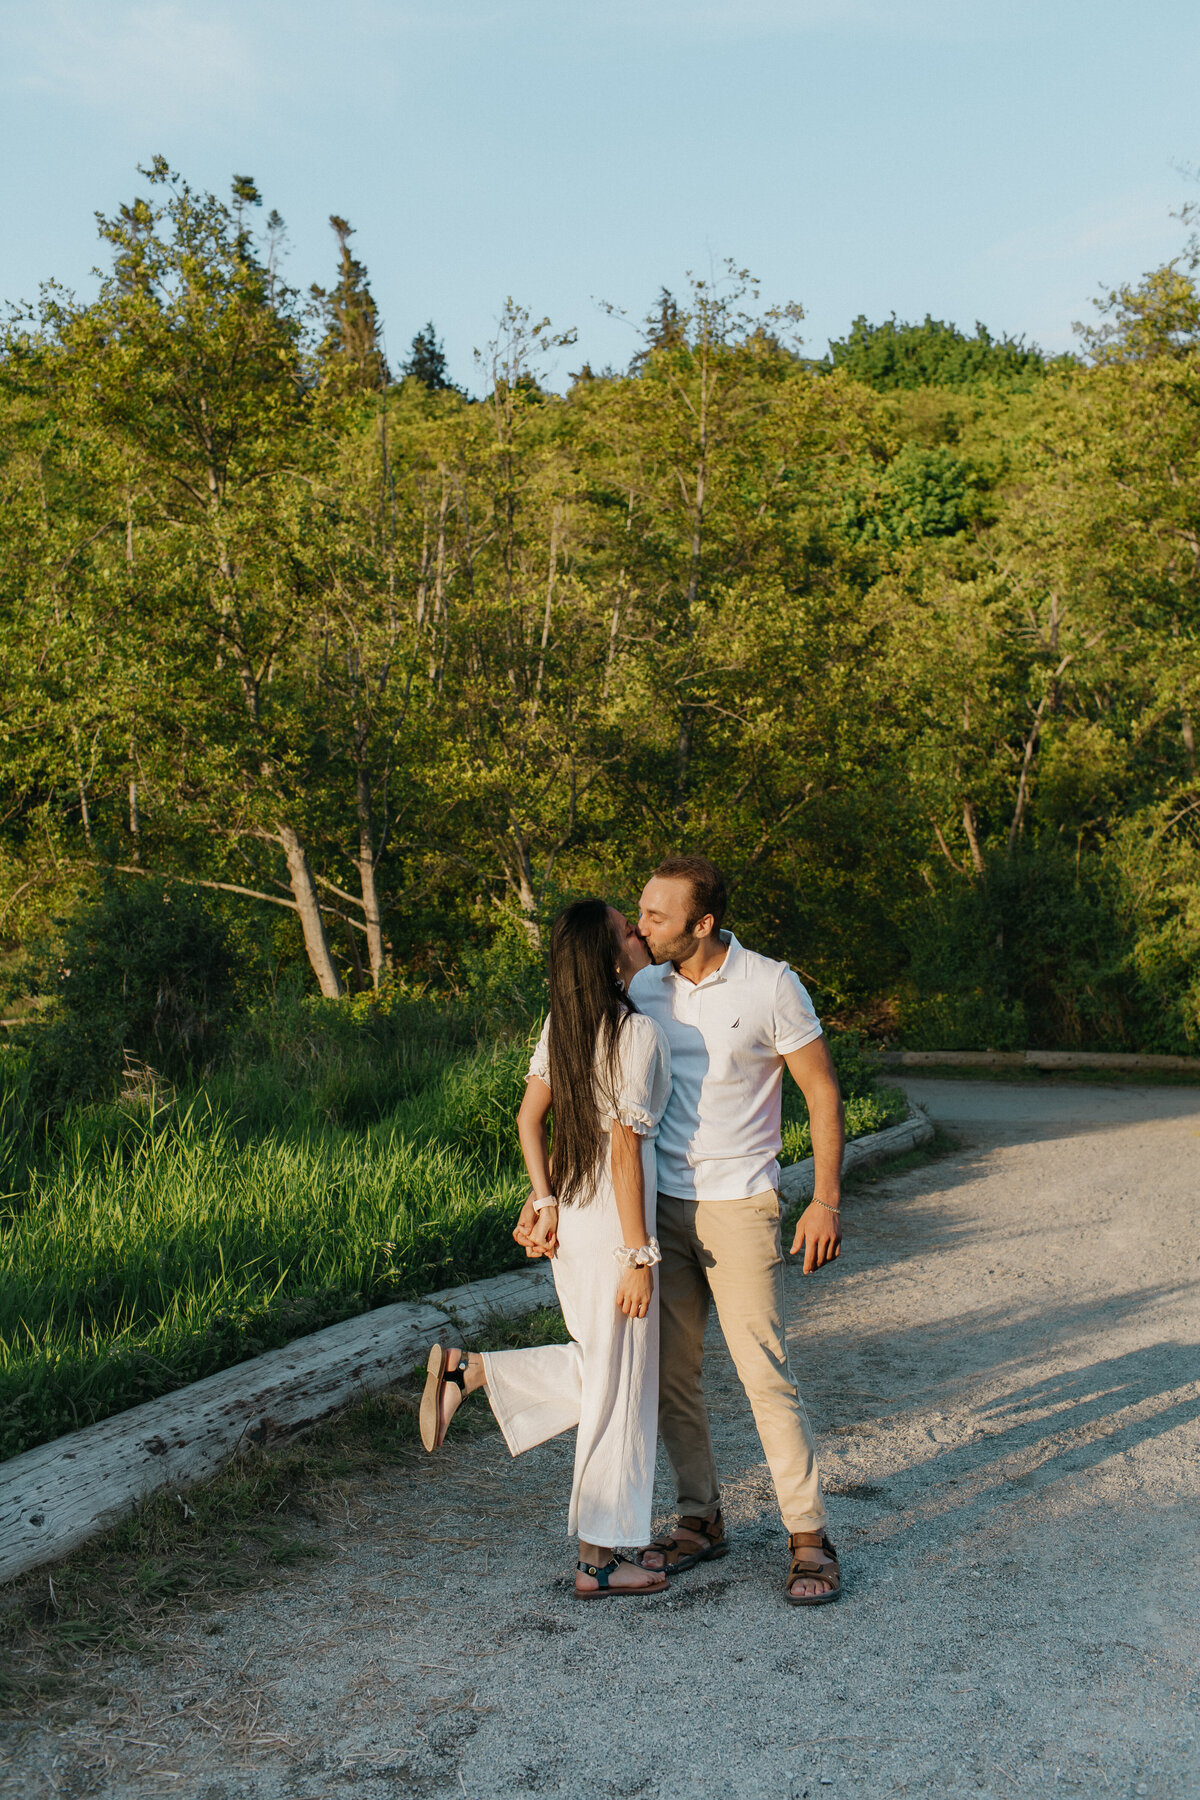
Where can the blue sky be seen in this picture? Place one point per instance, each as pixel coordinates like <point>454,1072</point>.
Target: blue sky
<point>998,162</point>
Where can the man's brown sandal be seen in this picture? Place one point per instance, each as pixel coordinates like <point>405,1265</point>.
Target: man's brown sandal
<point>819,1564</point>
<point>432,1435</point>
<point>603,1575</point>
<point>678,1555</point>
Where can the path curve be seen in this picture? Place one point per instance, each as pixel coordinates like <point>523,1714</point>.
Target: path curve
<point>1004,1374</point>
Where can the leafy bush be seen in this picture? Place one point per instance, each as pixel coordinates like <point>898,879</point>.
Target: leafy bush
<point>142,974</point>
<point>1046,952</point>
<point>507,976</point>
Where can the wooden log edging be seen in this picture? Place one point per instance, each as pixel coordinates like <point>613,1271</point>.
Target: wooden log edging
<point>1032,1059</point>
<point>55,1497</point>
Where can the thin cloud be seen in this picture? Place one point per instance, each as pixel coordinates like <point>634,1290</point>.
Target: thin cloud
<point>152,58</point>
<point>1131,226</point>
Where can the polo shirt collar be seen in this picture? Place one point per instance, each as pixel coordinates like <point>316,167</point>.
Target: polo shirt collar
<point>730,970</point>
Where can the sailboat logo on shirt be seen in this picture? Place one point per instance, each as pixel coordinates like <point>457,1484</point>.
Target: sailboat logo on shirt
<point>736,1023</point>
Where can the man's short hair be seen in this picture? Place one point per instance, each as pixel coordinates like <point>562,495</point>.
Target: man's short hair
<point>709,894</point>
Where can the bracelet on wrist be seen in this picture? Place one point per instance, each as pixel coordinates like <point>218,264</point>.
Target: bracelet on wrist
<point>835,1210</point>
<point>544,1200</point>
<point>638,1256</point>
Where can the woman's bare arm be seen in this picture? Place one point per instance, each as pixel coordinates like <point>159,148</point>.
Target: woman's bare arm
<point>629,1184</point>
<point>531,1129</point>
<point>636,1286</point>
<point>536,1232</point>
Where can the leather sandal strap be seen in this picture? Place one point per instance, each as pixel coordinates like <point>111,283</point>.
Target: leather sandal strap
<point>819,1564</point>
<point>603,1574</point>
<point>711,1529</point>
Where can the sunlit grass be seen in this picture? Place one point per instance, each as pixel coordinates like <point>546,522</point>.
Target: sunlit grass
<point>331,1164</point>
<point>153,1248</point>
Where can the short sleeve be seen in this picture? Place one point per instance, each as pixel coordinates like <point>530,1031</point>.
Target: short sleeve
<point>643,1074</point>
<point>796,1022</point>
<point>539,1062</point>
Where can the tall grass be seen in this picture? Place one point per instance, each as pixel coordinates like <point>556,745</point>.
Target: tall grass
<point>333,1163</point>
<point>323,1170</point>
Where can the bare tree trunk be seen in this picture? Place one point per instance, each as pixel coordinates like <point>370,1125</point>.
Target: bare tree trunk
<point>970,826</point>
<point>85,811</point>
<point>519,869</point>
<point>683,746</point>
<point>307,905</point>
<point>83,782</point>
<point>1031,744</point>
<point>1189,731</point>
<point>547,616</point>
<point>612,637</point>
<point>360,979</point>
<point>135,816</point>
<point>366,876</point>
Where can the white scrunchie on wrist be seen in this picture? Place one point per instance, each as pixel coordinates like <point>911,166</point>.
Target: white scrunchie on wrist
<point>643,1256</point>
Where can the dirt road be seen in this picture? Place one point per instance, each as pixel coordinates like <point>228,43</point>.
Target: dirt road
<point>1005,1375</point>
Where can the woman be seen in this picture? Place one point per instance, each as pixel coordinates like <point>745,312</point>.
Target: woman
<point>604,1069</point>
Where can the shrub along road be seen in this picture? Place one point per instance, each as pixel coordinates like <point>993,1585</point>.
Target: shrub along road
<point>1003,1373</point>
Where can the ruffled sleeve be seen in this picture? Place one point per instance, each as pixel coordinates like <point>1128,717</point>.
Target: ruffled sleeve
<point>539,1062</point>
<point>643,1075</point>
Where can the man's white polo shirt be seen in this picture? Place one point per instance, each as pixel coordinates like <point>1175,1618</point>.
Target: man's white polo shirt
<point>729,1033</point>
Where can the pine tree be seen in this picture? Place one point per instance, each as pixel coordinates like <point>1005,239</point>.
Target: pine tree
<point>352,342</point>
<point>665,329</point>
<point>427,361</point>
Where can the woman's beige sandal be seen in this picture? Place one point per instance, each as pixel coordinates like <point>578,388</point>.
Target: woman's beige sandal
<point>679,1555</point>
<point>603,1577</point>
<point>432,1435</point>
<point>813,1559</point>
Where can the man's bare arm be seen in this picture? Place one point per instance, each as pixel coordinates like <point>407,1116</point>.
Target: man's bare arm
<point>819,1228</point>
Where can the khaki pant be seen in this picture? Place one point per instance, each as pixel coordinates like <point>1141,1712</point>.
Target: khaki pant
<point>730,1250</point>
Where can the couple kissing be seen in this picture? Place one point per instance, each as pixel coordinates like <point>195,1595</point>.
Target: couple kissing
<point>661,1064</point>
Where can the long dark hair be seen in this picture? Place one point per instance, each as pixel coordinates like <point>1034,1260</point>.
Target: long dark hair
<point>587,1009</point>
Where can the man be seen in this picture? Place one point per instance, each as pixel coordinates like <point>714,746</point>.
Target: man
<point>733,1019</point>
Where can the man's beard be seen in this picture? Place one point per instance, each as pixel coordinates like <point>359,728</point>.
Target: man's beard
<point>677,951</point>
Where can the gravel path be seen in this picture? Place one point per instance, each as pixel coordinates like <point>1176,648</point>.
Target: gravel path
<point>1003,1370</point>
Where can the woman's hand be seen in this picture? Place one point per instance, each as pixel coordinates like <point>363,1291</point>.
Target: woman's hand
<point>544,1235</point>
<point>634,1291</point>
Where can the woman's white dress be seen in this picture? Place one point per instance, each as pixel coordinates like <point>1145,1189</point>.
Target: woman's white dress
<point>605,1381</point>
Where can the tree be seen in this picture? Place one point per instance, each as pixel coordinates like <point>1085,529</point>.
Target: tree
<point>351,348</point>
<point>185,372</point>
<point>427,361</point>
<point>932,354</point>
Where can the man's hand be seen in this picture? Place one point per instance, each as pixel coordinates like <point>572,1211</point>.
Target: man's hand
<point>819,1231</point>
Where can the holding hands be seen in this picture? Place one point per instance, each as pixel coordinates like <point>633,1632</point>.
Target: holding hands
<point>537,1232</point>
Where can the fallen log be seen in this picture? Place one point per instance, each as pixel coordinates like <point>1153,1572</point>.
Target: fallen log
<point>1034,1059</point>
<point>57,1496</point>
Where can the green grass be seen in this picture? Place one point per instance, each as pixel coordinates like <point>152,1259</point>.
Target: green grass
<point>340,1158</point>
<point>157,1243</point>
<point>864,1113</point>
